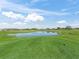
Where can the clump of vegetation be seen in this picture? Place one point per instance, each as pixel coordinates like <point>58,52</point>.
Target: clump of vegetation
<point>68,27</point>
<point>65,46</point>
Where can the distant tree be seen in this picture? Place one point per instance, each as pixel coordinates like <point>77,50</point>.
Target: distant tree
<point>47,28</point>
<point>68,27</point>
<point>27,29</point>
<point>58,28</point>
<point>33,28</point>
<point>53,28</point>
<point>76,28</point>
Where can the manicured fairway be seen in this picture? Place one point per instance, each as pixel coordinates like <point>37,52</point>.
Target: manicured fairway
<point>64,46</point>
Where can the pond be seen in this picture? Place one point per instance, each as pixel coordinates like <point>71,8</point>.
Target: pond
<point>39,33</point>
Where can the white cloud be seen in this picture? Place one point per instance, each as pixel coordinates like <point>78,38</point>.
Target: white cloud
<point>34,17</point>
<point>4,23</point>
<point>19,23</point>
<point>30,17</point>
<point>0,9</point>
<point>72,1</point>
<point>36,1</point>
<point>75,25</point>
<point>37,16</point>
<point>62,21</point>
<point>64,10</point>
<point>25,9</point>
<point>77,13</point>
<point>60,13</point>
<point>13,15</point>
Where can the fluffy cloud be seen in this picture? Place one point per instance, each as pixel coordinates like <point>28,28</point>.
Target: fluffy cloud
<point>72,1</point>
<point>13,15</point>
<point>77,13</point>
<point>30,16</point>
<point>0,9</point>
<point>18,25</point>
<point>36,1</point>
<point>61,21</point>
<point>37,16</point>
<point>64,10</point>
<point>25,9</point>
<point>4,25</point>
<point>34,17</point>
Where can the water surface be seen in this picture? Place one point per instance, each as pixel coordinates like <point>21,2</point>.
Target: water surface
<point>40,33</point>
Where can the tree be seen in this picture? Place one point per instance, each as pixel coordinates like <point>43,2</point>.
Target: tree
<point>47,28</point>
<point>33,28</point>
<point>68,27</point>
<point>58,28</point>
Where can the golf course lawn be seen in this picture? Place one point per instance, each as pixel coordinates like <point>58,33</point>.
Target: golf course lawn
<point>63,46</point>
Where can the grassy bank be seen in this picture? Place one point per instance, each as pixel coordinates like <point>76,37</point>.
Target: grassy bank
<point>64,46</point>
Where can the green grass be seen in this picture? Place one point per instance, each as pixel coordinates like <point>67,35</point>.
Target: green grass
<point>64,46</point>
<point>15,31</point>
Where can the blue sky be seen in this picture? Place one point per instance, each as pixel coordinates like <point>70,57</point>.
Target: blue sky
<point>39,13</point>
